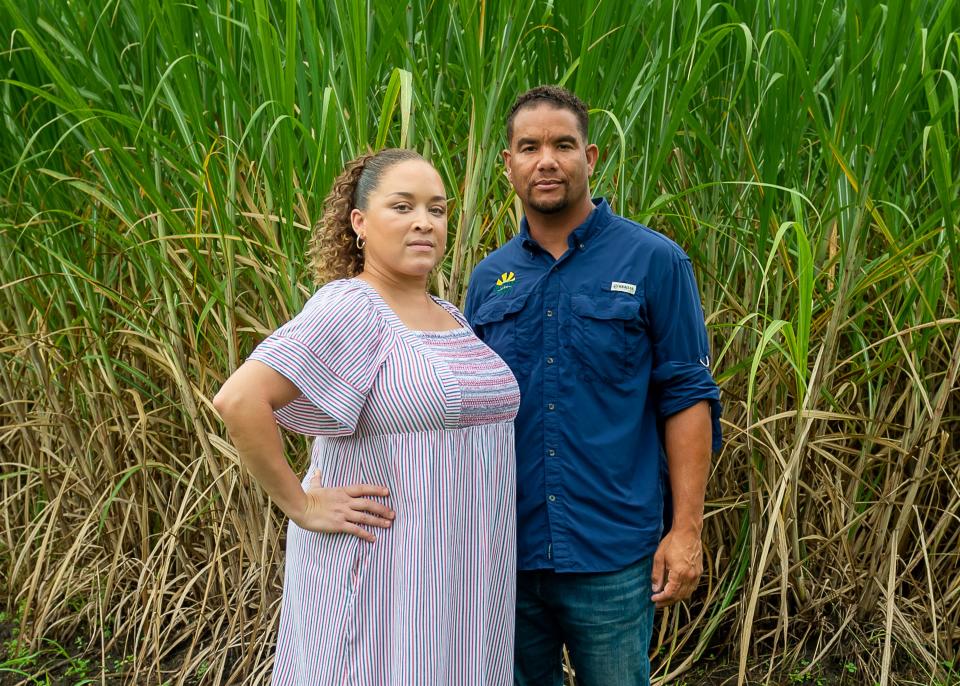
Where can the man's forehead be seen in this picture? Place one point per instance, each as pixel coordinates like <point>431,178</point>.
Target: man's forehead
<point>545,121</point>
<point>544,113</point>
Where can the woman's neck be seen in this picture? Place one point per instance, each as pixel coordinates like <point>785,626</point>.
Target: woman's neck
<point>396,288</point>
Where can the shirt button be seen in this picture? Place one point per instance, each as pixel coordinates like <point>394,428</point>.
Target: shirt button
<point>551,452</point>
<point>550,406</point>
<point>549,360</point>
<point>549,313</point>
<point>552,498</point>
<point>580,245</point>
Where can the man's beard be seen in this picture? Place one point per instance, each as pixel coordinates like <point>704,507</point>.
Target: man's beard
<point>549,206</point>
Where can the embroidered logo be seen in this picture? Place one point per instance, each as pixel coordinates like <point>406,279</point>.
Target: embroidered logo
<point>623,287</point>
<point>705,361</point>
<point>505,282</point>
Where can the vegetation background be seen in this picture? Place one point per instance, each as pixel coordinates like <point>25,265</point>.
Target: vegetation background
<point>161,164</point>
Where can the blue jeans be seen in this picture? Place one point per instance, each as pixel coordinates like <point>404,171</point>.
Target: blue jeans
<point>605,619</point>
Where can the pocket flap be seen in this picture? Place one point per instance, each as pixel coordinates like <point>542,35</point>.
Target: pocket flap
<point>605,307</point>
<point>499,308</point>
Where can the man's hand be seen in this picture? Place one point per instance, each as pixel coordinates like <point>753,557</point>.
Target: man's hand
<point>677,566</point>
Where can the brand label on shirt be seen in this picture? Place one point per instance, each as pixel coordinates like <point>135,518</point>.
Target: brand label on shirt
<point>623,287</point>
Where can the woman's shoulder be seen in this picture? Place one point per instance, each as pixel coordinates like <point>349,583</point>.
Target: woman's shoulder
<point>339,310</point>
<point>343,296</point>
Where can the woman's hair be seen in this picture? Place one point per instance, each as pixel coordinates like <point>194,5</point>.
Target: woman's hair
<point>333,252</point>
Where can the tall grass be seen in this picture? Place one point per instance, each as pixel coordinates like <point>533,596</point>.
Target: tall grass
<point>161,164</point>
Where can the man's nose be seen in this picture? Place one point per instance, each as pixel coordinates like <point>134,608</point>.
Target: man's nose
<point>547,159</point>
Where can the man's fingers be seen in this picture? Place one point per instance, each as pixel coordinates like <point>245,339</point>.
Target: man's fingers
<point>658,573</point>
<point>674,592</point>
<point>364,490</point>
<point>668,596</point>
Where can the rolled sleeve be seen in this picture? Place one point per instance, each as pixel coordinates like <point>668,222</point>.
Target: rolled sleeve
<point>681,353</point>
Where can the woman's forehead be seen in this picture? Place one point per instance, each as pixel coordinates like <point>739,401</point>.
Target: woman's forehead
<point>412,178</point>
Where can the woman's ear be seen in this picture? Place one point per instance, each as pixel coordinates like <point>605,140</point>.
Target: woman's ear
<point>357,220</point>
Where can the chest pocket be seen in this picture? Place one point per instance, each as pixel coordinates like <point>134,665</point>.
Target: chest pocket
<point>607,335</point>
<point>498,324</point>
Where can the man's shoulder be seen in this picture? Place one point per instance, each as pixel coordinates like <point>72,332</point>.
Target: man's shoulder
<point>499,260</point>
<point>628,232</point>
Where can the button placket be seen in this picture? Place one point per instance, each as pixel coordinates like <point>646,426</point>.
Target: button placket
<point>551,389</point>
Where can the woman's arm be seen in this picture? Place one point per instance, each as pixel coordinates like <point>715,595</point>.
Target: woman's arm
<point>246,403</point>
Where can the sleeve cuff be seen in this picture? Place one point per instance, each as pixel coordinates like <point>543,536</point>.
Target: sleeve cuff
<point>682,385</point>
<point>329,406</point>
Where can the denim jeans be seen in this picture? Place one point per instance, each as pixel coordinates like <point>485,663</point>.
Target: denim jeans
<point>605,620</point>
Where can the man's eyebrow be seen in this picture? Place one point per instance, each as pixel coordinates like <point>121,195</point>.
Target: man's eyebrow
<point>565,138</point>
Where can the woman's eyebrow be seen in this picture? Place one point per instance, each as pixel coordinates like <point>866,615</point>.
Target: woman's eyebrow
<point>410,196</point>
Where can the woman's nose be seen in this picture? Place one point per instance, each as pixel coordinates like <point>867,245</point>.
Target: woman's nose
<point>421,220</point>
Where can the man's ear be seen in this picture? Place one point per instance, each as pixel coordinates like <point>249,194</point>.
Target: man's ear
<point>505,155</point>
<point>593,153</point>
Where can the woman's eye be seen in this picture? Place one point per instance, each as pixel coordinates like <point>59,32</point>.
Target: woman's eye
<point>439,211</point>
<point>402,207</point>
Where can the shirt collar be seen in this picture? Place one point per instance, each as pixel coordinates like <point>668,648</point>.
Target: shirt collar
<point>591,226</point>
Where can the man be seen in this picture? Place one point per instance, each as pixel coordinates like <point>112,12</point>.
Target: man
<point>600,320</point>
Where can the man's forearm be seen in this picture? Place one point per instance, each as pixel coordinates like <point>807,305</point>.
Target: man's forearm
<point>687,442</point>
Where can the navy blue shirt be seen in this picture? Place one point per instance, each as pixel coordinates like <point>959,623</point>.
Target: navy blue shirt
<point>606,342</point>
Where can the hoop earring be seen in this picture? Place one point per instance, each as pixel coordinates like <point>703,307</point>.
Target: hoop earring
<point>361,241</point>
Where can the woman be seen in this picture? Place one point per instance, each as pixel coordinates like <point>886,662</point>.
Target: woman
<point>400,550</point>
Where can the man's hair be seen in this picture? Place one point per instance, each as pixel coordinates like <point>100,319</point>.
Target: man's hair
<point>555,96</point>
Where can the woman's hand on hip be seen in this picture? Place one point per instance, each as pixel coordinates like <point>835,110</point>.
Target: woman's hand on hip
<point>345,509</point>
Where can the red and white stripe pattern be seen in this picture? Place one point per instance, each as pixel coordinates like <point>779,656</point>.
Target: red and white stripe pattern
<point>430,416</point>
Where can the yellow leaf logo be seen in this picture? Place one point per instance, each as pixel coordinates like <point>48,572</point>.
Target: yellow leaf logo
<point>506,277</point>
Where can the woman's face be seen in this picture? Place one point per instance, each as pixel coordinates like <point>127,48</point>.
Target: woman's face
<point>405,223</point>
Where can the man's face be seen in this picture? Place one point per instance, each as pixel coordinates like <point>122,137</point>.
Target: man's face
<point>548,162</point>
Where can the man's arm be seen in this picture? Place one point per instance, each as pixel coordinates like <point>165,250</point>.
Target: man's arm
<point>686,397</point>
<point>678,562</point>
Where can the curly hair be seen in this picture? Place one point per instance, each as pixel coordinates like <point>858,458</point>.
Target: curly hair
<point>555,96</point>
<point>333,252</point>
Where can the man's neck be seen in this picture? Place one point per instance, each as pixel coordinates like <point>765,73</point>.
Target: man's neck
<point>551,231</point>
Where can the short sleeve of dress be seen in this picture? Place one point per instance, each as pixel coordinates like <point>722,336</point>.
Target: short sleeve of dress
<point>331,352</point>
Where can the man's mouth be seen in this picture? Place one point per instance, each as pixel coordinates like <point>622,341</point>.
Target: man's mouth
<point>547,184</point>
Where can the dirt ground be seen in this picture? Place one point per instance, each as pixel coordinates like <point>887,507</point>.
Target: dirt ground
<point>54,665</point>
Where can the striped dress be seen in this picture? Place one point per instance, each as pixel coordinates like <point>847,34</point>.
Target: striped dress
<point>430,416</point>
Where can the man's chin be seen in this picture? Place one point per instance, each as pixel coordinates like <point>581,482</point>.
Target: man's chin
<point>549,207</point>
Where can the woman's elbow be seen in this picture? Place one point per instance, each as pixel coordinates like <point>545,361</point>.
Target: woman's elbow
<point>226,402</point>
